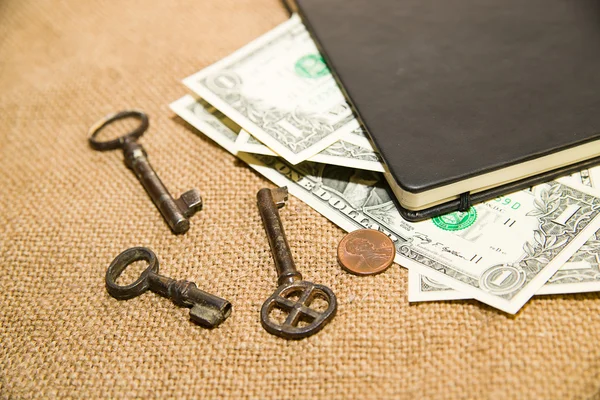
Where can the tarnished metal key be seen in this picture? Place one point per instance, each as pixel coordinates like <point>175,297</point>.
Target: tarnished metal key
<point>175,212</point>
<point>206,309</point>
<point>293,296</point>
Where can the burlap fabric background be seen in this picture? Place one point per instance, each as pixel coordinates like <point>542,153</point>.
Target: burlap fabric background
<point>67,211</point>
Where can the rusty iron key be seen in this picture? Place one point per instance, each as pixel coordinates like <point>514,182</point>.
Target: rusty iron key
<point>175,212</point>
<point>206,310</point>
<point>294,295</point>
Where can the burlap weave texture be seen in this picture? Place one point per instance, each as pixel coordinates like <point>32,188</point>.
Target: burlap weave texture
<point>66,211</point>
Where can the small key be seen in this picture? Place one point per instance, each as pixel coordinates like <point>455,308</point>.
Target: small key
<point>289,279</point>
<point>206,309</point>
<point>175,212</point>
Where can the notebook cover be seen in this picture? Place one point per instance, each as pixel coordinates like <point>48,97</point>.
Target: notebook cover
<point>452,89</point>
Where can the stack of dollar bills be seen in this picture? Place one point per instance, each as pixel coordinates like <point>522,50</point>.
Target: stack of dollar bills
<point>275,105</point>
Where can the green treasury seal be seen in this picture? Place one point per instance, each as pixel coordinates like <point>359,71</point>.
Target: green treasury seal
<point>311,66</point>
<point>457,220</point>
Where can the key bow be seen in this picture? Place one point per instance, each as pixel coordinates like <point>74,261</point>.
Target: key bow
<point>298,311</point>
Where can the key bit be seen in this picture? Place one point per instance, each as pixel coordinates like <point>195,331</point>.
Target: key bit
<point>206,310</point>
<point>175,212</point>
<point>302,320</point>
<point>190,202</point>
<point>279,195</point>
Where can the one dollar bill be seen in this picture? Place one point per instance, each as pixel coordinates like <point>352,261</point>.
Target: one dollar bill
<point>279,89</point>
<point>481,252</point>
<point>580,273</point>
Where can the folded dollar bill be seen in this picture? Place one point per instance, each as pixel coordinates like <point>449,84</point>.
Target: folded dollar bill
<point>500,252</point>
<point>342,152</point>
<point>279,89</point>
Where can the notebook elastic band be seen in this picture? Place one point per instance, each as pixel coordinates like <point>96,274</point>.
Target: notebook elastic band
<point>465,202</point>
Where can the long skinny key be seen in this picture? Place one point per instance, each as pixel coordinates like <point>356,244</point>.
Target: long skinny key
<point>175,212</point>
<point>206,309</point>
<point>294,296</point>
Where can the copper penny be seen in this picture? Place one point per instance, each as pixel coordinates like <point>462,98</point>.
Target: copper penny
<point>366,252</point>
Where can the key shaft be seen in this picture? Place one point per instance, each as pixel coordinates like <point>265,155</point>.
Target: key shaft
<point>175,215</point>
<point>206,309</point>
<point>282,254</point>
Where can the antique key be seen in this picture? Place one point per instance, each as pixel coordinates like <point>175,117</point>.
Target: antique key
<point>301,321</point>
<point>175,212</point>
<point>206,309</point>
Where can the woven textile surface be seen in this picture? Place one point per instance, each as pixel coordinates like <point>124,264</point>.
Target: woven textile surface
<point>66,211</point>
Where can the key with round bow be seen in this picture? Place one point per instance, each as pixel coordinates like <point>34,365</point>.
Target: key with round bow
<point>293,296</point>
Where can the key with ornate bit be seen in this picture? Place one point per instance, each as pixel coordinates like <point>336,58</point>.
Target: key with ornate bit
<point>206,309</point>
<point>175,212</point>
<point>302,320</point>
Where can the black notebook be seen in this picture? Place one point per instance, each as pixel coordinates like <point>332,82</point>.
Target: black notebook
<point>467,99</point>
